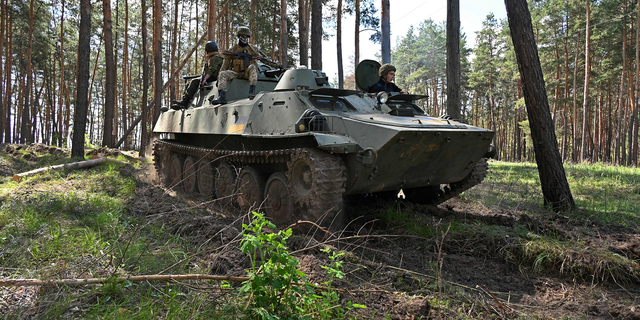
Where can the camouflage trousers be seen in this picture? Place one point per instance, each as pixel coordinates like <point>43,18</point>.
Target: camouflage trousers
<point>225,76</point>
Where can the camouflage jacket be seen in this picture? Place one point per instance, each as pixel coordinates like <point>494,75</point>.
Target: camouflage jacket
<point>232,63</point>
<point>212,66</point>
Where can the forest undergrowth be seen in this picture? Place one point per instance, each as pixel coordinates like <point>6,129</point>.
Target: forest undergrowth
<point>493,252</point>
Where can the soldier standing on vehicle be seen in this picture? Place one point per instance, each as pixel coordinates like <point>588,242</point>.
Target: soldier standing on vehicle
<point>210,70</point>
<point>387,73</point>
<point>237,67</point>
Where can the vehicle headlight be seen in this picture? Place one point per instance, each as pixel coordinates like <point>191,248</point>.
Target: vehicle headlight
<point>382,97</point>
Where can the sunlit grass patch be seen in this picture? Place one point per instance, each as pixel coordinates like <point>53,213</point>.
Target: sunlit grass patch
<point>610,194</point>
<point>583,260</point>
<point>51,217</point>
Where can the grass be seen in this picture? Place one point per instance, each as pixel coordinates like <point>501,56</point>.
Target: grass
<point>75,224</point>
<point>604,193</point>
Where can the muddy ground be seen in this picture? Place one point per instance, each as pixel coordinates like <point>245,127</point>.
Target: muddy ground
<point>400,276</point>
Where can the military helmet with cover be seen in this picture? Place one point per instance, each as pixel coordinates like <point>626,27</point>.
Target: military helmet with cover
<point>211,46</point>
<point>244,31</point>
<point>386,68</point>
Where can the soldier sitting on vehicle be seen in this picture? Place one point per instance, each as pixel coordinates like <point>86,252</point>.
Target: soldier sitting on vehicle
<point>240,62</point>
<point>387,74</point>
<point>210,70</point>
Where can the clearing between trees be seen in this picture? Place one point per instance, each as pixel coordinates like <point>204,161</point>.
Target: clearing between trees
<point>493,252</point>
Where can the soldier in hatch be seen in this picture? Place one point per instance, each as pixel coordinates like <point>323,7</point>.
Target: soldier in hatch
<point>210,70</point>
<point>387,73</point>
<point>236,66</point>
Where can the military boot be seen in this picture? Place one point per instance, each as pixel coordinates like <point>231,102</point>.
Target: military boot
<point>252,92</point>
<point>180,104</point>
<point>221,98</point>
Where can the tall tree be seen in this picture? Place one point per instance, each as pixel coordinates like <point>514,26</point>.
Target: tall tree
<point>211,20</point>
<point>453,58</point>
<point>145,80</point>
<point>174,47</point>
<point>82,91</point>
<point>316,34</point>
<point>555,188</point>
<point>386,32</point>
<point>634,143</point>
<point>303,31</point>
<point>339,45</point>
<point>356,56</point>
<point>62,82</point>
<point>125,71</point>
<point>3,20</point>
<point>284,39</point>
<point>157,58</point>
<point>587,74</point>
<point>9,86</point>
<point>110,74</point>
<point>25,125</point>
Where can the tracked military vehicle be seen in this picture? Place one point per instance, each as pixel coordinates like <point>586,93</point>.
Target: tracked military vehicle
<point>300,146</point>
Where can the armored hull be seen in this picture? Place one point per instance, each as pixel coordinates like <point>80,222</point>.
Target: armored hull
<point>297,148</point>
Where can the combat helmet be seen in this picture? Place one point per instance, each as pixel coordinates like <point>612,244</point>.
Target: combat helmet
<point>243,31</point>
<point>211,46</point>
<point>386,68</point>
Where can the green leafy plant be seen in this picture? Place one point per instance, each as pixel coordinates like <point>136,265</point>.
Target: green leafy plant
<point>329,306</point>
<point>277,289</point>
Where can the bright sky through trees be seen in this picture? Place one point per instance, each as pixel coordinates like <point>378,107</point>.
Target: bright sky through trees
<point>404,14</point>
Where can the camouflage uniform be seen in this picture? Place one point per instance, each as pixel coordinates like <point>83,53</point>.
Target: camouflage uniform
<point>212,66</point>
<point>235,68</point>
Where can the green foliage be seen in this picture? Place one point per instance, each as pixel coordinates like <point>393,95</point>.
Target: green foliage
<point>277,290</point>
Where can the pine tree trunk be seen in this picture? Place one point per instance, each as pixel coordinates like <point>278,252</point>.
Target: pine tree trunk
<point>339,45</point>
<point>620,152</point>
<point>9,85</point>
<point>211,21</point>
<point>125,71</point>
<point>82,98</point>
<point>3,20</point>
<point>636,126</point>
<point>555,188</point>
<point>284,34</point>
<point>386,31</point>
<point>574,134</point>
<point>274,23</point>
<point>587,73</point>
<point>110,73</point>
<point>453,58</point>
<point>145,81</point>
<point>608,156</point>
<point>252,20</point>
<point>157,55</point>
<point>303,31</point>
<point>25,126</point>
<point>174,44</point>
<point>565,109</point>
<point>316,34</point>
<point>356,56</point>
<point>62,83</point>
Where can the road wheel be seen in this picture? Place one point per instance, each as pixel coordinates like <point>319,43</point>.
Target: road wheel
<point>206,176</point>
<point>175,170</point>
<point>250,188</point>
<point>225,182</point>
<point>278,202</point>
<point>189,177</point>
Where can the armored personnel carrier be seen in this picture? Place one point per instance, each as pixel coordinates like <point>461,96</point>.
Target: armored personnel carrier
<point>300,146</point>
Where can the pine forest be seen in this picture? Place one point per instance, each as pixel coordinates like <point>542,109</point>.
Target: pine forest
<point>139,51</point>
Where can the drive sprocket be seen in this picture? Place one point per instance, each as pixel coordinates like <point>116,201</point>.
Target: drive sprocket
<point>317,182</point>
